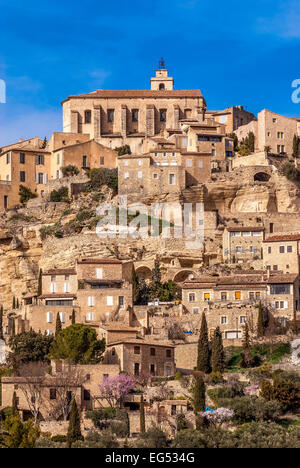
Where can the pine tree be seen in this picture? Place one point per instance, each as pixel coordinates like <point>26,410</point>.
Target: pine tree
<point>135,286</point>
<point>74,430</point>
<point>142,416</point>
<point>44,144</point>
<point>58,326</point>
<point>14,303</point>
<point>40,283</point>
<point>15,411</point>
<point>198,394</point>
<point>218,357</point>
<point>260,322</point>
<point>73,317</point>
<point>1,323</point>
<point>203,361</point>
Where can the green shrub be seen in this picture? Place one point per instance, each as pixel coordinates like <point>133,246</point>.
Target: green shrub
<point>251,408</point>
<point>25,194</point>
<point>59,438</point>
<point>60,195</point>
<point>70,171</point>
<point>290,171</point>
<point>101,177</point>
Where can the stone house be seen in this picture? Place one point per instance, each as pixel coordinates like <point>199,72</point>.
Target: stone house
<point>233,117</point>
<point>27,165</point>
<point>116,118</point>
<point>242,243</point>
<point>279,292</point>
<point>282,252</point>
<point>273,130</point>
<point>138,356</point>
<point>96,289</point>
<point>116,331</point>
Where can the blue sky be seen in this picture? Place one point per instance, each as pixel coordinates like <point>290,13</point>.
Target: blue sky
<point>235,52</point>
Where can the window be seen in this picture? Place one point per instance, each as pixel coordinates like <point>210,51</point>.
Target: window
<point>121,301</point>
<point>86,395</point>
<point>126,175</point>
<point>101,160</point>
<point>22,176</point>
<point>126,162</point>
<point>223,296</point>
<point>91,317</point>
<point>163,115</point>
<point>111,115</point>
<point>40,160</point>
<point>140,163</point>
<point>49,317</point>
<point>155,176</point>
<point>152,351</point>
<point>274,120</point>
<point>189,163</point>
<point>140,175</point>
<point>243,319</point>
<point>8,158</point>
<point>91,301</point>
<point>137,350</point>
<point>192,297</point>
<point>66,288</point>
<point>87,117</point>
<point>52,394</point>
<point>174,410</point>
<point>110,301</point>
<point>269,250</point>
<point>168,371</point>
<point>275,267</point>
<point>213,152</point>
<point>280,289</point>
<point>53,288</point>
<point>168,353</point>
<point>62,316</point>
<point>172,179</point>
<point>84,161</point>
<point>289,248</point>
<point>22,158</point>
<point>281,249</point>
<point>53,278</point>
<point>135,115</point>
<point>223,320</point>
<point>136,369</point>
<point>238,295</point>
<point>207,296</point>
<point>58,159</point>
<point>99,273</point>
<point>195,310</point>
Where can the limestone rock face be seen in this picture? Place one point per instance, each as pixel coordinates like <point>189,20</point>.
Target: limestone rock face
<point>254,199</point>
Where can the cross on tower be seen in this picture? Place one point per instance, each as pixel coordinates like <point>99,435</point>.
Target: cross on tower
<point>162,64</point>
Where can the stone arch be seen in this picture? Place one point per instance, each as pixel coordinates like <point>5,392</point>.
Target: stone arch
<point>162,87</point>
<point>262,177</point>
<point>144,272</point>
<point>183,275</point>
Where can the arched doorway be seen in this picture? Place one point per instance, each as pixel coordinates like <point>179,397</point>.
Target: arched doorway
<point>262,177</point>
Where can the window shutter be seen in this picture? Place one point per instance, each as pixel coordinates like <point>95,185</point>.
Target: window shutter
<point>110,301</point>
<point>36,178</point>
<point>49,317</point>
<point>62,316</point>
<point>91,301</point>
<point>45,178</point>
<point>286,304</point>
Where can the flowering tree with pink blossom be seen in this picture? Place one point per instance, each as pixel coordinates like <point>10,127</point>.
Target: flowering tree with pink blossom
<point>219,416</point>
<point>115,389</point>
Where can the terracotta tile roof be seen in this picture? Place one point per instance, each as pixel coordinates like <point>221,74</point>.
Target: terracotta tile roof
<point>24,149</point>
<point>96,281</point>
<point>118,326</point>
<point>99,261</point>
<point>245,281</point>
<point>141,342</point>
<point>245,229</point>
<point>282,279</point>
<point>128,94</point>
<point>58,272</point>
<point>283,237</point>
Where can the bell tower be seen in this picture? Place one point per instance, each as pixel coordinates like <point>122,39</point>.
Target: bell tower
<point>162,81</point>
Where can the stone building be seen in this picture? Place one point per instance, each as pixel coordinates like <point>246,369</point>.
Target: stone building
<point>116,118</point>
<point>138,356</point>
<point>272,130</point>
<point>96,289</point>
<point>279,292</point>
<point>282,252</point>
<point>242,243</point>
<point>24,164</point>
<point>233,117</point>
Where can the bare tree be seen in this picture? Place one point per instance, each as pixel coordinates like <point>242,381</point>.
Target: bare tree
<point>32,391</point>
<point>63,387</point>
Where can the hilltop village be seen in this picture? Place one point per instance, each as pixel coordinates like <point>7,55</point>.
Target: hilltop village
<point>155,316</point>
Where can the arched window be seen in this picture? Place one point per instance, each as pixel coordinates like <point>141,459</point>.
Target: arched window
<point>162,87</point>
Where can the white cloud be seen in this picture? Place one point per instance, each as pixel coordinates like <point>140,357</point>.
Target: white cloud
<point>284,23</point>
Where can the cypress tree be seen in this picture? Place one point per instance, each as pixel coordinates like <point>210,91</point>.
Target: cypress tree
<point>199,394</point>
<point>260,322</point>
<point>14,303</point>
<point>135,286</point>
<point>13,327</point>
<point>58,326</point>
<point>203,361</point>
<point>156,281</point>
<point>74,429</point>
<point>1,323</point>
<point>142,416</point>
<point>218,357</point>
<point>296,146</point>
<point>15,411</point>
<point>17,304</point>
<point>40,283</point>
<point>246,340</point>
<point>73,317</point>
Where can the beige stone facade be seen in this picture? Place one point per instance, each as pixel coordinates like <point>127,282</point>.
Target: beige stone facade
<point>116,118</point>
<point>282,252</point>
<point>242,244</point>
<point>232,117</point>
